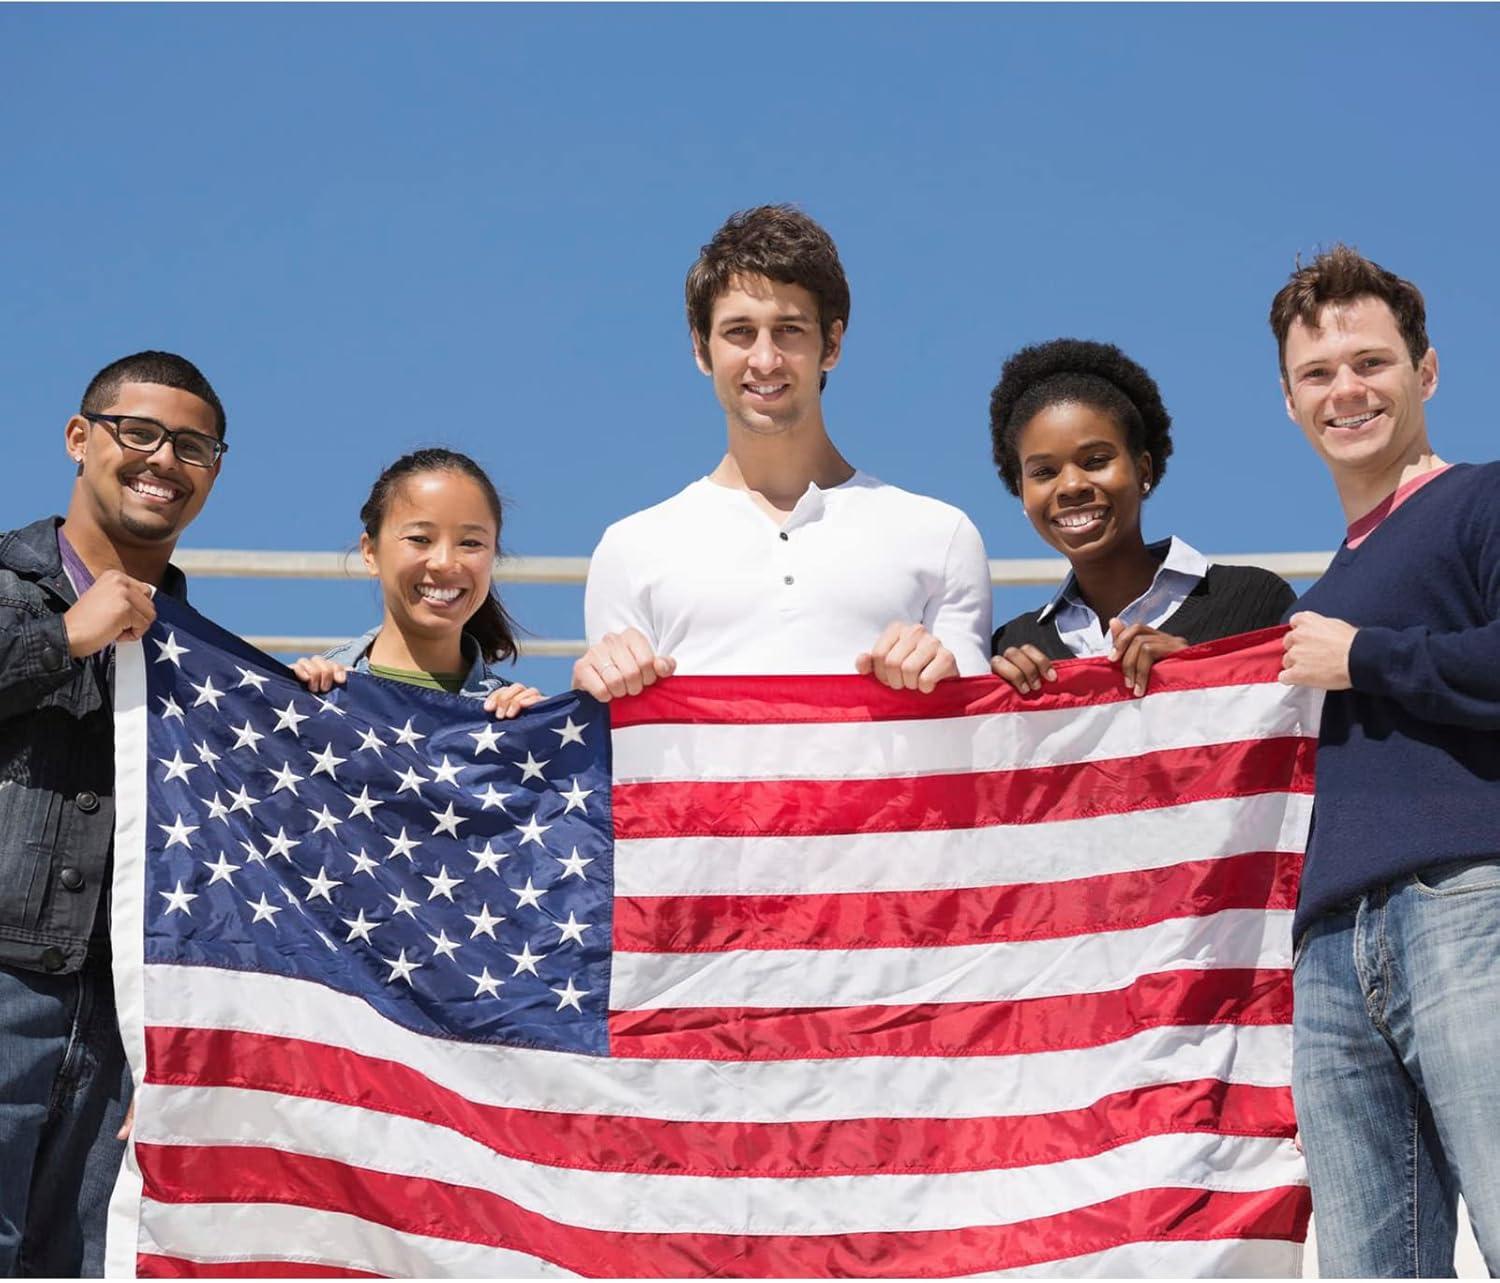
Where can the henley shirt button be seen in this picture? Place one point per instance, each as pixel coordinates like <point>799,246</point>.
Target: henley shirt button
<point>71,879</point>
<point>52,958</point>
<point>784,536</point>
<point>788,580</point>
<point>87,802</point>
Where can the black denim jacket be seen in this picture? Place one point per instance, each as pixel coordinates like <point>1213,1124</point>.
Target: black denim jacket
<point>57,769</point>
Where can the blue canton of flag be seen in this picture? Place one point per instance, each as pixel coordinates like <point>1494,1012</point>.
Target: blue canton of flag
<point>395,843</point>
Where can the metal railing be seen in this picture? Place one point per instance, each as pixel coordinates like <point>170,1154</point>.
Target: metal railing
<point>222,563</point>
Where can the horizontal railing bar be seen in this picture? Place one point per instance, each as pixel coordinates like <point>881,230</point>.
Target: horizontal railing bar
<point>1012,572</point>
<point>535,648</point>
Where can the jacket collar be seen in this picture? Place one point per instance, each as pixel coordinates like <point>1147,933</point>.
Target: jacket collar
<point>32,550</point>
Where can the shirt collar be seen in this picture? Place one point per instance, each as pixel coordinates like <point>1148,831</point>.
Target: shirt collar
<point>1176,555</point>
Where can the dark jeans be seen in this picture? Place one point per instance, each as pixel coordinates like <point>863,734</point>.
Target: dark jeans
<point>64,1087</point>
<point>1396,1072</point>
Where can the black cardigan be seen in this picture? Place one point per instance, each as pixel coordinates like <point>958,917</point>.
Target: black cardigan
<point>1227,600</point>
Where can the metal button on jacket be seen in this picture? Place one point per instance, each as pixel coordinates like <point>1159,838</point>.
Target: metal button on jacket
<point>71,879</point>
<point>52,958</point>
<point>87,801</point>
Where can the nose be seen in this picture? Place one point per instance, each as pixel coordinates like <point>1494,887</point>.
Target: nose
<point>1073,480</point>
<point>440,555</point>
<point>1346,382</point>
<point>164,455</point>
<point>764,354</point>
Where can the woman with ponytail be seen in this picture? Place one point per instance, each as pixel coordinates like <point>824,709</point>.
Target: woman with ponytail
<point>431,536</point>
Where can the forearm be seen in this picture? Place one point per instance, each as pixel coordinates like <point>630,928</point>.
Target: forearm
<point>34,660</point>
<point>1452,679</point>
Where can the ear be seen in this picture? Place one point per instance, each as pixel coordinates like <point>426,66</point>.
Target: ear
<point>700,355</point>
<point>1145,471</point>
<point>1427,373</point>
<point>76,437</point>
<point>833,347</point>
<point>367,553</point>
<point>1286,398</point>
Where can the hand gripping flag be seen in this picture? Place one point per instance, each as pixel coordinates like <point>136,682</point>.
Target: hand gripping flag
<point>782,977</point>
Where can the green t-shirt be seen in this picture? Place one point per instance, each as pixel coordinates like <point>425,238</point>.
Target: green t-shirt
<point>453,683</point>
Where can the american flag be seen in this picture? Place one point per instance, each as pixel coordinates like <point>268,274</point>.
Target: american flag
<point>782,977</point>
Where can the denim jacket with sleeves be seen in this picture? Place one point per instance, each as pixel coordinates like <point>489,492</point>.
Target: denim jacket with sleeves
<point>480,681</point>
<point>57,768</point>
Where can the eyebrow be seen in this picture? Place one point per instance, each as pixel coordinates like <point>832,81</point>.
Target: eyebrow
<point>1379,349</point>
<point>429,525</point>
<point>744,319</point>
<point>1085,445</point>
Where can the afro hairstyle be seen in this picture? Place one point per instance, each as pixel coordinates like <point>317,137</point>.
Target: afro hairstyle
<point>1077,372</point>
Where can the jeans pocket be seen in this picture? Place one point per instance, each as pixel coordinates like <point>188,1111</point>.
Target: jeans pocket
<point>1461,877</point>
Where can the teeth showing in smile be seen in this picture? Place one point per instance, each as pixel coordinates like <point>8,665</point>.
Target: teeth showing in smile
<point>152,489</point>
<point>438,594</point>
<point>1076,520</point>
<point>765,389</point>
<point>1354,420</point>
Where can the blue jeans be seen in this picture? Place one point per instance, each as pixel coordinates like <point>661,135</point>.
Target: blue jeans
<point>64,1087</point>
<point>1396,1072</point>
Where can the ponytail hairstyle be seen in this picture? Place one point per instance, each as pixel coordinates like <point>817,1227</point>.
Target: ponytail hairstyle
<point>491,626</point>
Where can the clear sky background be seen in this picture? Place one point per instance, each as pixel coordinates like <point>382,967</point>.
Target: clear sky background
<point>377,227</point>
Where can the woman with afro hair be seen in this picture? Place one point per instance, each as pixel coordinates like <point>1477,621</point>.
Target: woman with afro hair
<point>1082,438</point>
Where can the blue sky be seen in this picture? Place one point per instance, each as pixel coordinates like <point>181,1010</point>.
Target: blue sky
<point>375,227</point>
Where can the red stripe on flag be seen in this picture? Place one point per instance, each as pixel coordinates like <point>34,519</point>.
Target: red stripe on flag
<point>1244,660</point>
<point>837,1147</point>
<point>961,916</point>
<point>966,799</point>
<point>148,1265</point>
<point>1237,996</point>
<point>416,1205</point>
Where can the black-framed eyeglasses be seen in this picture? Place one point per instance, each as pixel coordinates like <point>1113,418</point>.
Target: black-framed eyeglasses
<point>146,435</point>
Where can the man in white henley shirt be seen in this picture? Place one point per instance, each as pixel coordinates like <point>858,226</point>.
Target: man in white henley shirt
<point>784,559</point>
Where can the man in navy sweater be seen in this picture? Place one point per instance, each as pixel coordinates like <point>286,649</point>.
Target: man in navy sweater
<point>1396,1070</point>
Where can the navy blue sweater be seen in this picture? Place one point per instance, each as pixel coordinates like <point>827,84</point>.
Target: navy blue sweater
<point>1409,759</point>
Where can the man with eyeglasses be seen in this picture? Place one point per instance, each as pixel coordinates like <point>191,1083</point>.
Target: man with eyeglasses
<point>147,442</point>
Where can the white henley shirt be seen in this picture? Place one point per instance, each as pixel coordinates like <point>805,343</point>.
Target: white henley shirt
<point>713,581</point>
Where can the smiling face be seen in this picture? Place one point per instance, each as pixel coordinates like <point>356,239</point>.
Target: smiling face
<point>434,554</point>
<point>141,500</point>
<point>1080,485</point>
<point>1351,387</point>
<point>766,354</point>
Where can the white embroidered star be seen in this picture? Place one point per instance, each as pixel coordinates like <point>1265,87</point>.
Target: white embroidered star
<point>321,886</point>
<point>364,804</point>
<point>326,761</point>
<point>411,779</point>
<point>207,694</point>
<point>326,820</point>
<point>247,736</point>
<point>571,733</point>
<point>177,833</point>
<point>281,845</point>
<point>285,778</point>
<point>485,740</point>
<point>484,922</point>
<point>206,755</point>
<point>359,926</point>
<point>400,968</point>
<point>442,884</point>
<point>442,947</point>
<point>362,862</point>
<point>221,869</point>
<point>488,859</point>
<point>569,996</point>
<point>447,773</point>
<point>177,769</point>
<point>525,960</point>
<point>532,768</point>
<point>529,895</point>
<point>531,831</point>
<point>216,809</point>
<point>251,853</point>
<point>405,734</point>
<point>169,649</point>
<point>178,899</point>
<point>491,797</point>
<point>447,821</point>
<point>247,678</point>
<point>265,911</point>
<point>402,845</point>
<point>288,718</point>
<point>401,904</point>
<point>572,929</point>
<point>575,797</point>
<point>484,983</point>
<point>368,739</point>
<point>328,706</point>
<point>574,865</point>
<point>169,708</point>
<point>240,800</point>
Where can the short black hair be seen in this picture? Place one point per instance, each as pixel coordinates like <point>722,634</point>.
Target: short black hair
<point>166,369</point>
<point>1078,372</point>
